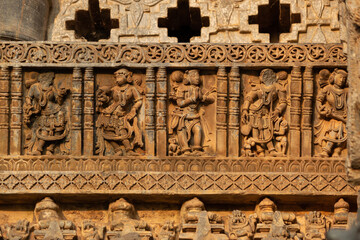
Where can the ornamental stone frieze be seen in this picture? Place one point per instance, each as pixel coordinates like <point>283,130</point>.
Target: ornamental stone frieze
<point>178,119</point>
<point>260,118</point>
<point>255,131</point>
<point>187,220</point>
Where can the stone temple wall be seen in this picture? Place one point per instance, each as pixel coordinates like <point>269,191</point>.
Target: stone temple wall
<point>175,119</point>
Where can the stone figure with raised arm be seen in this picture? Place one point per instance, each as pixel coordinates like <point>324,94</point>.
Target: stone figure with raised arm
<point>262,122</point>
<point>331,104</point>
<point>44,115</point>
<point>118,108</point>
<point>188,124</point>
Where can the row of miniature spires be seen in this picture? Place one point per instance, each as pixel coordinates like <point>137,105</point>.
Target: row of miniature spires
<point>196,223</point>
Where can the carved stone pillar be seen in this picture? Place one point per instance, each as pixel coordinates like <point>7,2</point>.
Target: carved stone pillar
<point>89,111</point>
<point>234,110</point>
<point>161,89</point>
<point>295,111</point>
<point>16,110</point>
<point>221,112</point>
<point>307,111</point>
<point>150,112</point>
<point>76,109</point>
<point>4,109</point>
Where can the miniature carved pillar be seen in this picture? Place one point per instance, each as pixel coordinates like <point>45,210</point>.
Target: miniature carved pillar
<point>89,111</point>
<point>4,109</point>
<point>150,112</point>
<point>161,89</point>
<point>306,131</point>
<point>76,112</point>
<point>295,111</point>
<point>221,110</point>
<point>234,110</point>
<point>16,110</point>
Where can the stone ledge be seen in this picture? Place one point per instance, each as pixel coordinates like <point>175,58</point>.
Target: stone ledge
<point>173,164</point>
<point>175,183</point>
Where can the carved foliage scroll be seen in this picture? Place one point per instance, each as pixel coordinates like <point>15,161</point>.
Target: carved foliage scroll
<point>40,54</point>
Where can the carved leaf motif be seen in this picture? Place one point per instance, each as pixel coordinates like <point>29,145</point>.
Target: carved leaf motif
<point>224,11</point>
<point>136,12</point>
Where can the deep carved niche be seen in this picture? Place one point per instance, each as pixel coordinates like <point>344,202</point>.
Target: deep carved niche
<point>264,116</point>
<point>120,113</point>
<point>191,112</point>
<point>331,113</point>
<point>46,112</point>
<point>182,107</point>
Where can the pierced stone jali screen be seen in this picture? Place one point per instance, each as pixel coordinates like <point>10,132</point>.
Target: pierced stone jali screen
<point>174,120</point>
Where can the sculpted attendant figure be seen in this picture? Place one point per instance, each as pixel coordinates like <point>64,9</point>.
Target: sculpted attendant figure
<point>44,115</point>
<point>188,125</point>
<point>262,116</point>
<point>118,108</point>
<point>330,132</point>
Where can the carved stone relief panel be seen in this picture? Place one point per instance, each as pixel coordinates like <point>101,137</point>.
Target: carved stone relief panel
<point>90,230</point>
<point>330,134</point>
<point>47,112</point>
<point>264,116</point>
<point>120,113</point>
<point>208,118</point>
<point>301,21</point>
<point>197,223</point>
<point>191,113</point>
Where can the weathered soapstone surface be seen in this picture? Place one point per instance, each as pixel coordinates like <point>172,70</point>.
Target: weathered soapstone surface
<point>188,218</point>
<point>139,21</point>
<point>111,140</point>
<point>319,22</point>
<point>351,18</point>
<point>230,131</point>
<point>136,21</point>
<point>240,21</point>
